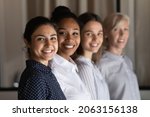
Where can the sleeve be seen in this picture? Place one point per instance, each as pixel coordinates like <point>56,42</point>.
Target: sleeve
<point>35,89</point>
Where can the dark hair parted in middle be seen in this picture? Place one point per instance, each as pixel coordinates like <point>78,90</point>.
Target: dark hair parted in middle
<point>32,25</point>
<point>83,20</point>
<point>88,16</point>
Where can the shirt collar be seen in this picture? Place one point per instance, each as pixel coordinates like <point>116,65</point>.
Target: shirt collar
<point>65,64</point>
<point>113,56</point>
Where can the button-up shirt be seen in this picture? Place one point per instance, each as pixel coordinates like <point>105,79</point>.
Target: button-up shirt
<point>92,78</point>
<point>70,82</point>
<point>118,72</point>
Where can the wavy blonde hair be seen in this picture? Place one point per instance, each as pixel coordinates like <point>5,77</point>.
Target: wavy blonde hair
<point>111,22</point>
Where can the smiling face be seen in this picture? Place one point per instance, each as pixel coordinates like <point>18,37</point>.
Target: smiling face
<point>68,37</point>
<point>91,37</point>
<point>118,37</point>
<point>43,44</point>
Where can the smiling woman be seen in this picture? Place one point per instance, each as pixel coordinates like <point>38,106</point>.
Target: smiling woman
<point>37,81</point>
<point>14,15</point>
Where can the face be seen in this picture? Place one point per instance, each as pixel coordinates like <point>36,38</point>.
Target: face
<point>43,44</point>
<point>68,37</point>
<point>118,37</point>
<point>91,37</point>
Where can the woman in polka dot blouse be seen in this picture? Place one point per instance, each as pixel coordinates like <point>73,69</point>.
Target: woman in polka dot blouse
<point>37,82</point>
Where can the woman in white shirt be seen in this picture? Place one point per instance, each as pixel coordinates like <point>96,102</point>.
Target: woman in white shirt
<point>62,65</point>
<point>88,53</point>
<point>115,67</point>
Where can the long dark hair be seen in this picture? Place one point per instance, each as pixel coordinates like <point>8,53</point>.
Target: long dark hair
<point>83,20</point>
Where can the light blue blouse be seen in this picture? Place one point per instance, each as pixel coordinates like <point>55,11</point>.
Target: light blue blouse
<point>92,78</point>
<point>70,82</point>
<point>119,75</point>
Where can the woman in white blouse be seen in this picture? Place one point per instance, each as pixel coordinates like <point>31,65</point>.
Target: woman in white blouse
<point>88,53</point>
<point>115,67</point>
<point>62,65</point>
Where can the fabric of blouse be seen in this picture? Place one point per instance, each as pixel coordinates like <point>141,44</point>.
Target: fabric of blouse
<point>92,78</point>
<point>120,77</point>
<point>70,82</point>
<point>37,82</point>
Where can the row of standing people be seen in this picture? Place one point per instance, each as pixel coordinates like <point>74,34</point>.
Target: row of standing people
<point>79,71</point>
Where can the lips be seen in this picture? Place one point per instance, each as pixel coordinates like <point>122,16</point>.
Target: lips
<point>94,44</point>
<point>121,40</point>
<point>69,46</point>
<point>48,51</point>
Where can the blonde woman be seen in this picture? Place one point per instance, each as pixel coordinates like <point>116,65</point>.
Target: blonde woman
<point>114,65</point>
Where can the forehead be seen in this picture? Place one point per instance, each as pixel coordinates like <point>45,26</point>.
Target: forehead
<point>122,23</point>
<point>68,22</point>
<point>93,24</point>
<point>45,28</point>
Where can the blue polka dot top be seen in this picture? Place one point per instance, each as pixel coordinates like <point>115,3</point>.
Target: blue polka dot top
<point>37,82</point>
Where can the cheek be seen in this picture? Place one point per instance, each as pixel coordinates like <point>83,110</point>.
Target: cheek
<point>36,46</point>
<point>77,41</point>
<point>60,41</point>
<point>56,46</point>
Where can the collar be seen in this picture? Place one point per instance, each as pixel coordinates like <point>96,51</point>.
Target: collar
<point>113,56</point>
<point>63,63</point>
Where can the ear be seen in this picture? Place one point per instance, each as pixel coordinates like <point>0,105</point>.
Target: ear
<point>27,43</point>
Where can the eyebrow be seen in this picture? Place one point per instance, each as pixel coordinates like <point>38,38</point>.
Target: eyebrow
<point>65,29</point>
<point>44,35</point>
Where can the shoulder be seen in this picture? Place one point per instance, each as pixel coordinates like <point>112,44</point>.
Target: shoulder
<point>105,61</point>
<point>128,61</point>
<point>83,63</point>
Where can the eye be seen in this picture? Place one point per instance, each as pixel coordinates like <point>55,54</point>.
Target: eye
<point>40,38</point>
<point>88,34</point>
<point>75,33</point>
<point>100,34</point>
<point>126,29</point>
<point>115,29</point>
<point>53,38</point>
<point>62,33</point>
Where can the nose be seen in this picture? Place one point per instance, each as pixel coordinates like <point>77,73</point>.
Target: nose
<point>94,37</point>
<point>69,37</point>
<point>121,32</point>
<point>48,42</point>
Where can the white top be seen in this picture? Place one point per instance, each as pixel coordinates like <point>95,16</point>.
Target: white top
<point>66,74</point>
<point>118,72</point>
<point>92,78</point>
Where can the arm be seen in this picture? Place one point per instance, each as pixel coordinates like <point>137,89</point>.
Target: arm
<point>35,89</point>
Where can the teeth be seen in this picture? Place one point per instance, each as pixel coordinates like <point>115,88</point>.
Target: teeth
<point>69,46</point>
<point>94,45</point>
<point>121,40</point>
<point>48,51</point>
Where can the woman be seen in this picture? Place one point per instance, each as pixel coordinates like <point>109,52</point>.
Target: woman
<point>62,65</point>
<point>37,82</point>
<point>115,67</point>
<point>88,53</point>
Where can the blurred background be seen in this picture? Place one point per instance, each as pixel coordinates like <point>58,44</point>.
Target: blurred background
<point>14,14</point>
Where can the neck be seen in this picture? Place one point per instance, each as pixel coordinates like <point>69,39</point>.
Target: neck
<point>88,55</point>
<point>115,51</point>
<point>64,56</point>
